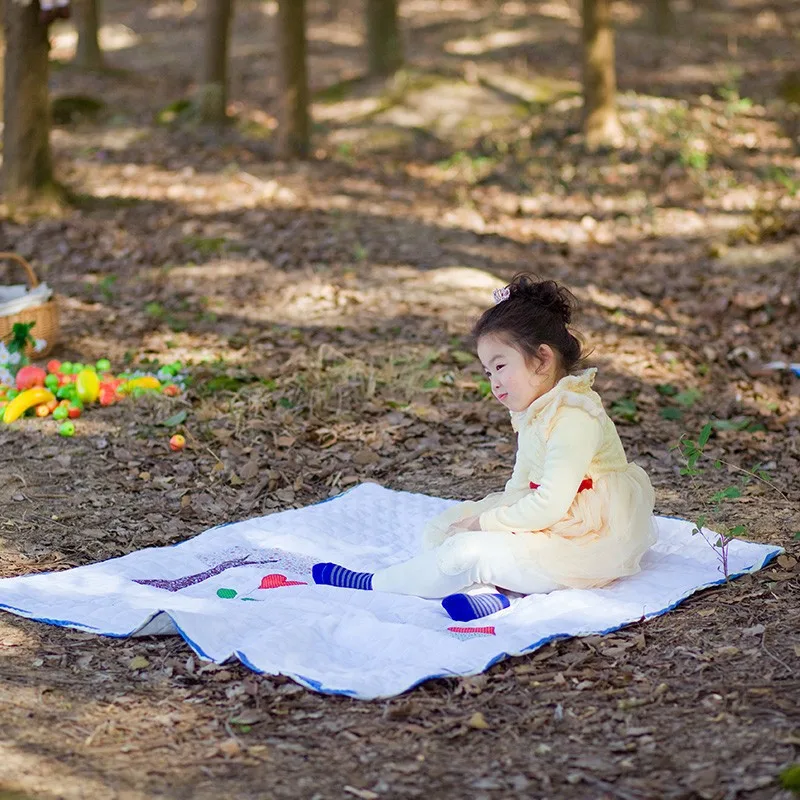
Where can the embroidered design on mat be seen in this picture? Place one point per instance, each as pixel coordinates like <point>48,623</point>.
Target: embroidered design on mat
<point>274,581</point>
<point>231,559</point>
<point>464,634</point>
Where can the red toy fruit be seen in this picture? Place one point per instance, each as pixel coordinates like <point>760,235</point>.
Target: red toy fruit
<point>177,442</point>
<point>30,376</point>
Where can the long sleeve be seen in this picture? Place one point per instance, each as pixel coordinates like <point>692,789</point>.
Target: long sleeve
<point>570,449</point>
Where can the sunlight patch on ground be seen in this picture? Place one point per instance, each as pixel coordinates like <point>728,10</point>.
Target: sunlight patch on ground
<point>346,110</point>
<point>496,40</point>
<point>112,38</point>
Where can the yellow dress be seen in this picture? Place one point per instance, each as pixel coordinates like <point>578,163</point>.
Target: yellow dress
<point>580,537</point>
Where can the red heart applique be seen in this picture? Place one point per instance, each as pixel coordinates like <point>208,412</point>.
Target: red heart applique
<point>276,581</point>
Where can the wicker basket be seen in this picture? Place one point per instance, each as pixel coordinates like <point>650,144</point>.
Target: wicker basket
<point>45,315</point>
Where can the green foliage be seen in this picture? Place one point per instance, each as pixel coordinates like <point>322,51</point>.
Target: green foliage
<point>206,246</point>
<point>175,420</point>
<point>694,456</point>
<point>790,778</point>
<point>625,409</point>
<point>174,112</point>
<point>20,339</point>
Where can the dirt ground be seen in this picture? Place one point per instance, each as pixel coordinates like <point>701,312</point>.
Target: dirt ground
<point>324,309</point>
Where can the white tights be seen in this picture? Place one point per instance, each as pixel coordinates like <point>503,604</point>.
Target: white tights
<point>465,560</point>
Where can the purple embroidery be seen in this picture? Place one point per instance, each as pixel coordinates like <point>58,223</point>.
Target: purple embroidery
<point>176,584</point>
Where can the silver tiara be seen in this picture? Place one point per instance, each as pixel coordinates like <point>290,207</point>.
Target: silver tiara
<point>501,294</point>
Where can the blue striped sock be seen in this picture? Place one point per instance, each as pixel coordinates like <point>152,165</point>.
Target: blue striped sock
<point>334,575</point>
<point>465,607</point>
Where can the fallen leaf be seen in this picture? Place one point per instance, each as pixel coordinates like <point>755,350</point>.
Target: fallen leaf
<point>249,716</point>
<point>230,748</point>
<point>250,469</point>
<point>478,721</point>
<point>138,662</point>
<point>364,794</point>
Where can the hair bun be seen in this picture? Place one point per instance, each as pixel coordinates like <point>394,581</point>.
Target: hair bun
<point>547,295</point>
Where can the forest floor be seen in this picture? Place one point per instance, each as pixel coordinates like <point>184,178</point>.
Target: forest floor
<point>324,308</point>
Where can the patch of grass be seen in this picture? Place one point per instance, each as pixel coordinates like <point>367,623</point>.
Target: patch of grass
<point>176,111</point>
<point>206,245</point>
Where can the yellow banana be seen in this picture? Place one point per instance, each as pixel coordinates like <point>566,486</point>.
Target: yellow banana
<point>145,382</point>
<point>25,400</point>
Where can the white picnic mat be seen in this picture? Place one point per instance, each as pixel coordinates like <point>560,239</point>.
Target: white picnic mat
<point>243,591</point>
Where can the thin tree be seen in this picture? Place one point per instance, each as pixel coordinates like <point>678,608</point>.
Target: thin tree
<point>294,123</point>
<point>384,42</point>
<point>27,159</point>
<point>2,52</point>
<point>88,54</point>
<point>600,122</point>
<point>663,17</point>
<point>211,100</point>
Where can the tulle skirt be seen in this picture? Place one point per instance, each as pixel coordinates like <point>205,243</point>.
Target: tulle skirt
<point>603,536</point>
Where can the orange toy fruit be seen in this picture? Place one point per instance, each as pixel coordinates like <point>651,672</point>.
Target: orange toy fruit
<point>177,442</point>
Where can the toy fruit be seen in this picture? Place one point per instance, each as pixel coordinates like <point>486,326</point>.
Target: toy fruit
<point>67,428</point>
<point>25,400</point>
<point>145,382</point>
<point>43,410</point>
<point>30,376</point>
<point>66,367</point>
<point>60,413</point>
<point>51,382</point>
<point>53,366</point>
<point>103,365</point>
<point>177,442</point>
<point>171,390</point>
<point>74,411</point>
<point>87,385</point>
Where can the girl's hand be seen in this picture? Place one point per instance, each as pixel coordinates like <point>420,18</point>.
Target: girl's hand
<point>472,523</point>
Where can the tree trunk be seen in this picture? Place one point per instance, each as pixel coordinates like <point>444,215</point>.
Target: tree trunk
<point>2,52</point>
<point>600,123</point>
<point>384,43</point>
<point>663,17</point>
<point>88,54</point>
<point>27,160</point>
<point>294,128</point>
<point>212,95</point>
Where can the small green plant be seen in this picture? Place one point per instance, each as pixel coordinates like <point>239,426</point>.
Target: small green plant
<point>790,778</point>
<point>106,287</point>
<point>20,339</point>
<point>694,158</point>
<point>694,456</point>
<point>625,409</point>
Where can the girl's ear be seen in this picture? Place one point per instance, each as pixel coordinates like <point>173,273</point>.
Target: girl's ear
<point>546,357</point>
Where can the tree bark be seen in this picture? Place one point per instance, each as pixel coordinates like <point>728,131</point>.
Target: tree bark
<point>27,160</point>
<point>2,52</point>
<point>600,122</point>
<point>88,54</point>
<point>663,17</point>
<point>212,95</point>
<point>384,42</point>
<point>294,124</point>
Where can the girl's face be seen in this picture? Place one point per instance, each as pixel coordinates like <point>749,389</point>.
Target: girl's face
<point>516,381</point>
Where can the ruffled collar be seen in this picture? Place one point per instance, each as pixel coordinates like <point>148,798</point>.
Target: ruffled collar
<point>577,384</point>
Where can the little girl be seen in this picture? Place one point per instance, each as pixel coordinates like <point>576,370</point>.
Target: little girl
<point>574,514</point>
